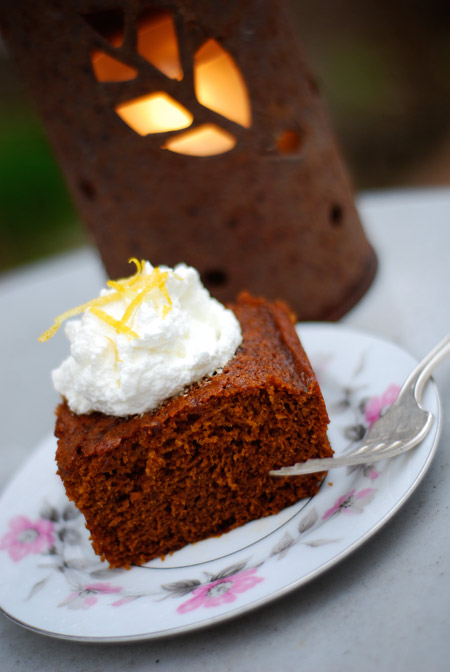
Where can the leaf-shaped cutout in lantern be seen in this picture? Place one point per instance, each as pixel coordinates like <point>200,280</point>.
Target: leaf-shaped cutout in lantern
<point>219,84</point>
<point>109,69</point>
<point>205,140</point>
<point>155,113</point>
<point>157,43</point>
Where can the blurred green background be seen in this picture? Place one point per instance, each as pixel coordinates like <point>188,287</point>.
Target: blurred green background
<point>383,69</point>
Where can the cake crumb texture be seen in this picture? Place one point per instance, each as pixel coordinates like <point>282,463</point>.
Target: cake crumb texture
<point>198,466</point>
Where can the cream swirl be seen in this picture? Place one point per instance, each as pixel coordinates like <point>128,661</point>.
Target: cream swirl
<point>145,340</point>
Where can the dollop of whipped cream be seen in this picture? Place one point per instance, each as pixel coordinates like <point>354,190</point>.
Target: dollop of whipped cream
<point>143,341</point>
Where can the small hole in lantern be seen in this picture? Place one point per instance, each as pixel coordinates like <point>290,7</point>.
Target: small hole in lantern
<point>87,189</point>
<point>233,222</point>
<point>109,24</point>
<point>336,215</point>
<point>155,113</point>
<point>205,140</point>
<point>313,83</point>
<point>289,142</point>
<point>192,210</point>
<point>219,84</point>
<point>215,277</point>
<point>157,43</point>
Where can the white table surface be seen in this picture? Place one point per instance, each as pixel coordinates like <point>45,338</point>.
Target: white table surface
<point>386,606</point>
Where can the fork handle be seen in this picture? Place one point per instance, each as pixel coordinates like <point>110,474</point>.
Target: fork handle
<point>315,465</point>
<point>421,374</point>
<point>361,456</point>
<point>415,384</point>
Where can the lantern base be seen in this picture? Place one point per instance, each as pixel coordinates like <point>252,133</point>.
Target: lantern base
<point>356,292</point>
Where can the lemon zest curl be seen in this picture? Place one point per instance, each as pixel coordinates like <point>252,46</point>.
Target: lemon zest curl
<point>134,288</point>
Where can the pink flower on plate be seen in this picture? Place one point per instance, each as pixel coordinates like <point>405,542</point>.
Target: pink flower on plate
<point>376,406</point>
<point>26,536</point>
<point>87,595</point>
<point>221,591</point>
<point>371,473</point>
<point>351,502</point>
<point>125,600</point>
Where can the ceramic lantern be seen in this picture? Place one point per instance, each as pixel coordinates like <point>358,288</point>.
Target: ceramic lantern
<point>192,130</point>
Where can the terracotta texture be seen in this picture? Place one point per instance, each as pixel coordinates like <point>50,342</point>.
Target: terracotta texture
<point>274,215</point>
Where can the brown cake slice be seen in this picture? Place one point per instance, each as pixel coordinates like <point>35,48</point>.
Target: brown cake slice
<point>199,465</point>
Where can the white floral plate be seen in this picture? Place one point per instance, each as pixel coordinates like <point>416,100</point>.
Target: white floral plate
<point>52,582</point>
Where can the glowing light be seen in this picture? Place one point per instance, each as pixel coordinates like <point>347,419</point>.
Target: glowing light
<point>205,140</point>
<point>157,43</point>
<point>109,69</point>
<point>219,84</point>
<point>289,142</point>
<point>155,113</point>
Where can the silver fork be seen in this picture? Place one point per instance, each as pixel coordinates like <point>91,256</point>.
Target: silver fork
<point>404,425</point>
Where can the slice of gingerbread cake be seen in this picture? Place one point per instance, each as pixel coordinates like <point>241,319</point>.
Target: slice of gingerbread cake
<point>197,463</point>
